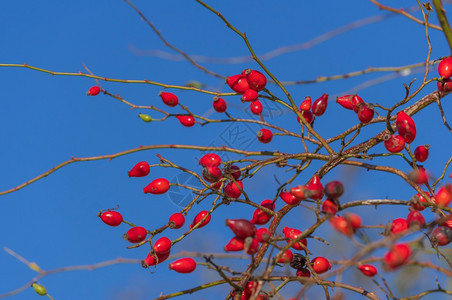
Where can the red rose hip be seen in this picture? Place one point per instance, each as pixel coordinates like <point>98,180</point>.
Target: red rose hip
<point>135,234</point>
<point>141,169</point>
<point>157,186</point>
<point>183,265</point>
<point>112,218</point>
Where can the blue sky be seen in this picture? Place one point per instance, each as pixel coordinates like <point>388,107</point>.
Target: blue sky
<point>46,120</point>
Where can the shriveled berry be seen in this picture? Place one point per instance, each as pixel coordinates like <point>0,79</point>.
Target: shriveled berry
<point>368,270</point>
<point>264,136</point>
<point>242,228</point>
<point>176,221</point>
<point>183,265</point>
<point>219,104</point>
<point>256,107</point>
<point>320,265</point>
<point>233,189</point>
<point>141,169</point>
<point>250,95</point>
<point>93,91</point>
<point>199,217</point>
<point>445,68</point>
<point>334,189</point>
<point>441,236</point>
<point>186,120</point>
<point>157,186</point>
<point>298,261</point>
<point>135,234</point>
<point>421,153</point>
<point>112,218</point>
<point>233,171</point>
<point>169,98</point>
<point>397,256</point>
<point>304,272</point>
<point>256,79</point>
<point>319,105</point>
<point>394,143</point>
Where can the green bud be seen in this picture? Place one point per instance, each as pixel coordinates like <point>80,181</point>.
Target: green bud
<point>144,117</point>
<point>39,289</point>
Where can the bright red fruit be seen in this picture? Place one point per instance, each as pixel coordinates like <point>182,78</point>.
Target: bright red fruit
<point>186,120</point>
<point>141,169</point>
<point>264,136</point>
<point>238,83</point>
<point>334,189</point>
<point>394,143</point>
<point>292,233</point>
<point>320,265</point>
<point>135,234</point>
<point>406,127</point>
<point>256,79</point>
<point>329,207</point>
<point>356,100</point>
<point>415,219</point>
<point>259,216</point>
<point>303,273</point>
<point>199,217</point>
<point>319,105</point>
<point>365,113</point>
<point>210,159</point>
<point>419,175</point>
<point>368,270</point>
<point>262,235</point>
<point>176,221</point>
<point>300,192</point>
<point>445,85</point>
<point>315,186</point>
<point>441,236</point>
<point>416,203</point>
<point>251,245</point>
<point>444,195</point>
<point>286,257</point>
<point>93,91</point>
<point>242,228</point>
<point>346,225</point>
<point>399,225</point>
<point>354,220</point>
<point>233,189</point>
<point>183,265</point>
<point>397,256</point>
<point>112,218</point>
<point>421,153</point>
<point>250,95</point>
<point>154,259</point>
<point>219,104</point>
<point>306,104</point>
<point>445,68</point>
<point>157,186</point>
<point>256,107</point>
<point>307,115</point>
<point>235,244</point>
<point>162,245</point>
<point>345,101</point>
<point>289,198</point>
<point>169,99</point>
<point>211,174</point>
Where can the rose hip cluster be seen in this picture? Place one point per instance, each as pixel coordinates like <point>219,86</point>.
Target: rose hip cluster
<point>445,71</point>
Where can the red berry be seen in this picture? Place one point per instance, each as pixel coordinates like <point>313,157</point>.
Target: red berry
<point>263,235</point>
<point>421,153</point>
<point>211,174</point>
<point>319,105</point>
<point>289,198</point>
<point>397,256</point>
<point>264,136</point>
<point>356,100</point>
<point>406,127</point>
<point>219,104</point>
<point>256,107</point>
<point>259,216</point>
<point>238,83</point>
<point>183,265</point>
<point>415,219</point>
<point>242,228</point>
<point>251,245</point>
<point>169,99</point>
<point>303,273</point>
<point>445,68</point>
<point>233,171</point>
<point>307,115</point>
<point>154,259</point>
<point>157,186</point>
<point>135,234</point>
<point>300,192</point>
<point>235,244</point>
<point>354,220</point>
<point>329,207</point>
<point>176,221</point>
<point>141,169</point>
<point>256,79</point>
<point>250,95</point>
<point>345,101</point>
<point>334,189</point>
<point>306,104</point>
<point>342,225</point>
<point>394,143</point>
<point>399,225</point>
<point>444,195</point>
<point>93,91</point>
<point>199,217</point>
<point>416,203</point>
<point>286,257</point>
<point>447,223</point>
<point>210,159</point>
<point>112,218</point>
<point>445,85</point>
<point>315,186</point>
<point>320,265</point>
<point>186,120</point>
<point>293,233</point>
<point>368,270</point>
<point>233,189</point>
<point>365,113</point>
<point>441,236</point>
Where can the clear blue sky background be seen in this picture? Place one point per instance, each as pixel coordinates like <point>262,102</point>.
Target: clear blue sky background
<point>45,120</point>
